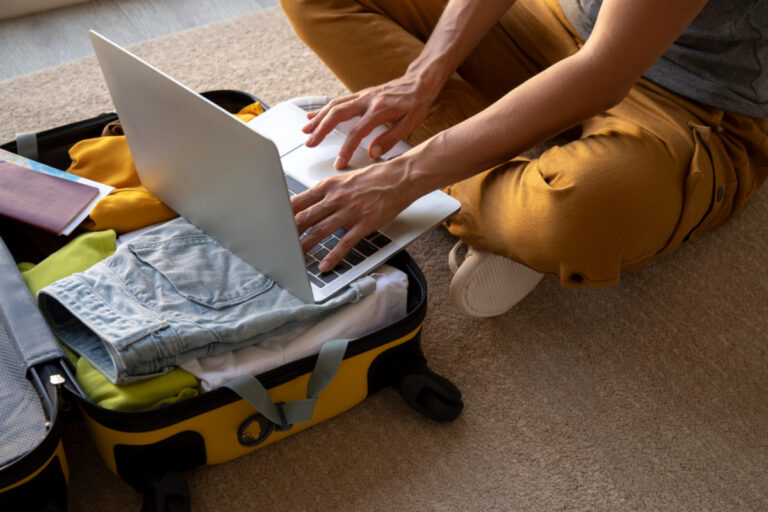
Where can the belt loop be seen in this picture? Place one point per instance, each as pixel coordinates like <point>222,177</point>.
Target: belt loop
<point>718,124</point>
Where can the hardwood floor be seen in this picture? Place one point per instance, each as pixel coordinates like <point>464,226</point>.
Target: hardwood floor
<point>46,39</point>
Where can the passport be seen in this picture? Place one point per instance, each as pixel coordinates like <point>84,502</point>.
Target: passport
<point>40,199</point>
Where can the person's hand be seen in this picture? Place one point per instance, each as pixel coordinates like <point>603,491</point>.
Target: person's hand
<point>402,104</point>
<point>360,201</point>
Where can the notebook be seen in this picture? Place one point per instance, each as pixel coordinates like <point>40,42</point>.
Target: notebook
<point>232,180</point>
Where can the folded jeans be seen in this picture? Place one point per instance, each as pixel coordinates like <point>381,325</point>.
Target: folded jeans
<point>171,295</point>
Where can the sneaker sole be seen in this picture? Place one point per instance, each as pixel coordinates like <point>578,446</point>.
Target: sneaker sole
<point>487,285</point>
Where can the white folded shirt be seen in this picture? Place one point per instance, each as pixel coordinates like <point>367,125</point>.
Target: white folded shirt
<point>384,306</point>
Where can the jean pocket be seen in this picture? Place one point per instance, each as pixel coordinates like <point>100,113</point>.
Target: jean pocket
<point>203,271</point>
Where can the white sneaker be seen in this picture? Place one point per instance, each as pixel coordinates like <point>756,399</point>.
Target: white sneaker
<point>485,284</point>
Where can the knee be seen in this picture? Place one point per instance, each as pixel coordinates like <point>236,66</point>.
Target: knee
<point>591,230</point>
<point>584,220</point>
<point>314,20</point>
<point>577,239</point>
<point>297,12</point>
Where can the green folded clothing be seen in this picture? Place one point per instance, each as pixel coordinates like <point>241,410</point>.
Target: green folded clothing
<point>166,389</point>
<point>77,256</point>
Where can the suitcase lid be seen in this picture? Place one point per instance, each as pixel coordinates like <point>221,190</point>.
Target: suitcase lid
<point>25,342</point>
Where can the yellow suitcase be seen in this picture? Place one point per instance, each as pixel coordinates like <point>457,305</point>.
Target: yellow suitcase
<point>151,449</point>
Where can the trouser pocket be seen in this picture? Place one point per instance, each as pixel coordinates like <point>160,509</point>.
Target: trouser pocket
<point>709,187</point>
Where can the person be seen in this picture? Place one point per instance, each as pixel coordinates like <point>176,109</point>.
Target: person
<point>665,104</point>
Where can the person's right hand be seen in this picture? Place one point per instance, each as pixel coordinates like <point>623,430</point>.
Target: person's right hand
<point>402,104</point>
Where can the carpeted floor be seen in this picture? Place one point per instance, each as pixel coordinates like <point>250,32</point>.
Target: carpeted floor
<point>649,395</point>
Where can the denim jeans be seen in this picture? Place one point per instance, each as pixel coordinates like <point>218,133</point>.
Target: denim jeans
<point>171,295</point>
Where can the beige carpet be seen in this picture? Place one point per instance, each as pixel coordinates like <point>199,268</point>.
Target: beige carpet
<point>649,395</point>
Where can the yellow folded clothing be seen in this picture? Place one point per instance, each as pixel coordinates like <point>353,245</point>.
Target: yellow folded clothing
<point>249,112</point>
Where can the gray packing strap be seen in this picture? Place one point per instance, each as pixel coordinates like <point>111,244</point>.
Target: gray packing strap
<point>299,411</point>
<point>26,145</point>
<point>20,318</point>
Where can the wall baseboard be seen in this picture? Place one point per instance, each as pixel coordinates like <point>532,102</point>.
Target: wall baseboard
<point>16,8</point>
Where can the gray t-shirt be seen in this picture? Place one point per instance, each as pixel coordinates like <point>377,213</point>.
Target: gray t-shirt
<point>721,59</point>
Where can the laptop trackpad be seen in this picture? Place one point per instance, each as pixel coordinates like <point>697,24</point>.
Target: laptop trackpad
<point>311,165</point>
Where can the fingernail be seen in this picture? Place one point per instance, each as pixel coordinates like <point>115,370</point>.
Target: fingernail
<point>375,152</point>
<point>309,141</point>
<point>339,163</point>
<point>324,266</point>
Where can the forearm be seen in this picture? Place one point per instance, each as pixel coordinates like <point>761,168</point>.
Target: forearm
<point>552,101</point>
<point>628,37</point>
<point>460,28</point>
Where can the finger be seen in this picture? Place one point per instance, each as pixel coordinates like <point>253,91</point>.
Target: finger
<point>347,242</point>
<point>338,114</point>
<point>387,140</point>
<point>320,231</point>
<point>307,128</point>
<point>306,199</point>
<point>308,218</point>
<point>356,133</point>
<point>319,115</point>
<point>313,237</point>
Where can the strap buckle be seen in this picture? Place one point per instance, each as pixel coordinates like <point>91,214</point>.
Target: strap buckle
<point>265,425</point>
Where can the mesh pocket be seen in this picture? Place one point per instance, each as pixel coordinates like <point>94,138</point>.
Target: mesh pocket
<point>22,419</point>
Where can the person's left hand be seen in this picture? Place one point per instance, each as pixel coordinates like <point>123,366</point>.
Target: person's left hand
<point>360,201</point>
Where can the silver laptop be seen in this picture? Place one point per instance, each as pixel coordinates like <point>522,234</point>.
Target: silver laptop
<point>230,180</point>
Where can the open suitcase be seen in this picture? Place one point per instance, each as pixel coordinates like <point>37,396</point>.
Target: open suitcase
<point>150,449</point>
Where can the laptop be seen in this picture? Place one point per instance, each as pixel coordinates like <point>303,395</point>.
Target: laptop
<point>234,182</point>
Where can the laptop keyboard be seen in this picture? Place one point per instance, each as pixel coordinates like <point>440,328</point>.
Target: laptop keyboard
<point>366,247</point>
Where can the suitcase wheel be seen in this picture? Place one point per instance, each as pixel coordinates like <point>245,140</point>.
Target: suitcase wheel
<point>430,394</point>
<point>166,492</point>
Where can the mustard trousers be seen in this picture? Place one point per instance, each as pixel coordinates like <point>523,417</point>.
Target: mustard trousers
<point>638,180</point>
